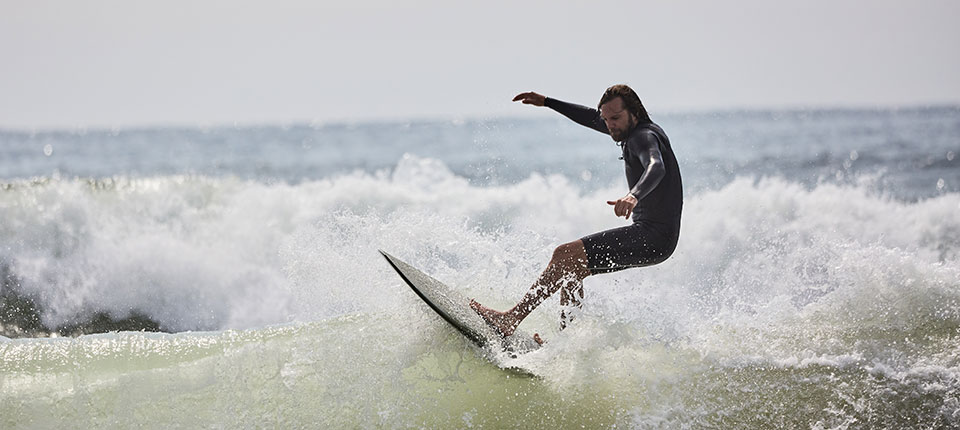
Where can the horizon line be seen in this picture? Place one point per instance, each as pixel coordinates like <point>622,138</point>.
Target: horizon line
<point>425,119</point>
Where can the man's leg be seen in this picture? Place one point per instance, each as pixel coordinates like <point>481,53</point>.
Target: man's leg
<point>567,267</point>
<point>570,300</point>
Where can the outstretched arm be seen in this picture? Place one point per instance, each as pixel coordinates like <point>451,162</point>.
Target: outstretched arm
<point>587,117</point>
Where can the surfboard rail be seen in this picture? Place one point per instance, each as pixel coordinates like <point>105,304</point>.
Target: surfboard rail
<point>455,309</point>
<point>410,276</point>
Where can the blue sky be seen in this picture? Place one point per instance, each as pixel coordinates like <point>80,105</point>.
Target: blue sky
<point>104,63</point>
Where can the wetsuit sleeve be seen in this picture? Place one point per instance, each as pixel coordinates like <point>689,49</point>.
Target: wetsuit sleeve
<point>645,146</point>
<point>587,117</point>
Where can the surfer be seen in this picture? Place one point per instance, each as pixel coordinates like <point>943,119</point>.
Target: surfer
<point>654,203</point>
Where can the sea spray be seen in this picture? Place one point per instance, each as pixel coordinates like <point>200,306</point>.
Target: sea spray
<point>815,284</point>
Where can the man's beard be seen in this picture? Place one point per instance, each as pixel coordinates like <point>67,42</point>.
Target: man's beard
<point>622,135</point>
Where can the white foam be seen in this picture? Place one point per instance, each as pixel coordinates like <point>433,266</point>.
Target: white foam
<point>205,253</point>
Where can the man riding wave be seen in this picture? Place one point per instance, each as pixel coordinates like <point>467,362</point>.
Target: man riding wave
<point>654,203</point>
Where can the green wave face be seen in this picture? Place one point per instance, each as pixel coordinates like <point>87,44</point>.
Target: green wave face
<point>380,370</point>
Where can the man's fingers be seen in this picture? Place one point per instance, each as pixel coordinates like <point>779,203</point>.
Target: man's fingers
<point>530,98</point>
<point>621,208</point>
<point>618,207</point>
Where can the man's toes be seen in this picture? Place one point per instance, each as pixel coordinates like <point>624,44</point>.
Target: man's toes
<point>536,337</point>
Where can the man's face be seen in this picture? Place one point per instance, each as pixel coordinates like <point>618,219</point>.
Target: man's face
<point>619,121</point>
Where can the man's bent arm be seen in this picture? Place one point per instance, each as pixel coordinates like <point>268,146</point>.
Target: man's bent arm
<point>647,148</point>
<point>582,115</point>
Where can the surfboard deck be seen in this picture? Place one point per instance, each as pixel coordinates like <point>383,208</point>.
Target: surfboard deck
<point>454,308</point>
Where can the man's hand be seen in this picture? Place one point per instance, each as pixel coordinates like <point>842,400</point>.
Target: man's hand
<point>530,98</point>
<point>624,205</point>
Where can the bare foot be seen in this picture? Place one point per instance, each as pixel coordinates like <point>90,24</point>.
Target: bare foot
<point>537,338</point>
<point>502,322</point>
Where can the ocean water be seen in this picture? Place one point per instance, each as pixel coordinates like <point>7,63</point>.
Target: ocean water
<point>816,283</point>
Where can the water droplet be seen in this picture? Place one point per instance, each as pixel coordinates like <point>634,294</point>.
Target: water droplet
<point>950,155</point>
<point>586,175</point>
<point>854,155</point>
<point>940,184</point>
<point>48,150</point>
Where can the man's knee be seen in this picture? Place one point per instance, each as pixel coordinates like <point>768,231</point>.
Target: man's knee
<point>566,252</point>
<point>571,256</point>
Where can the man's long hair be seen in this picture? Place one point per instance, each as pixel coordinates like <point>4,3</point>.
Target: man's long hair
<point>631,101</point>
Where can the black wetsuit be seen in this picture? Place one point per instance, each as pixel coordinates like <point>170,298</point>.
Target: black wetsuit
<point>653,236</point>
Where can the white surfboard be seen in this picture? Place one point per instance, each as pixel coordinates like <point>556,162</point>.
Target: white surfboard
<point>455,309</point>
